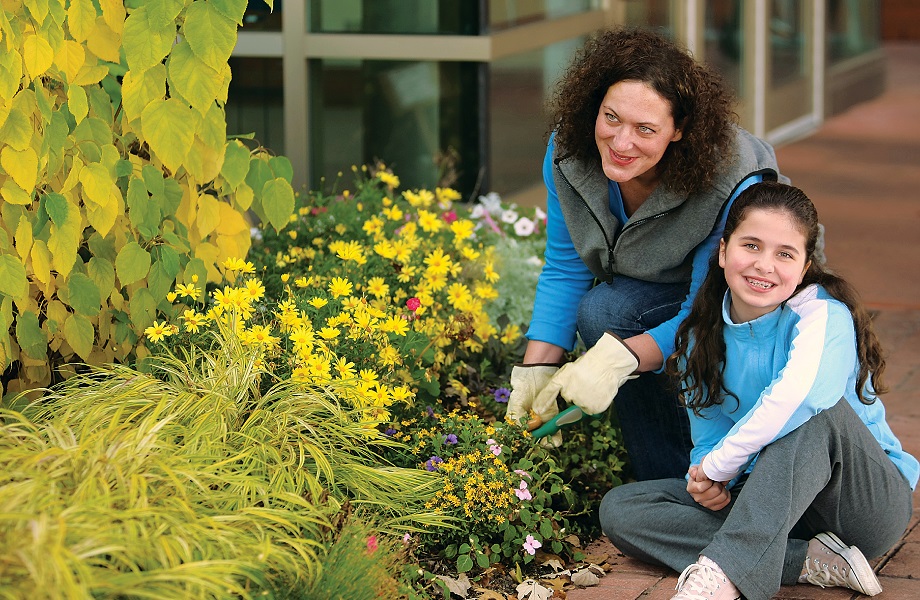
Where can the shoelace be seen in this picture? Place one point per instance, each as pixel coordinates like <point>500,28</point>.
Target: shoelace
<point>822,574</point>
<point>697,580</point>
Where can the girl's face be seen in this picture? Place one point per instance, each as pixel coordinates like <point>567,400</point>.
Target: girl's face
<point>764,260</point>
<point>633,129</point>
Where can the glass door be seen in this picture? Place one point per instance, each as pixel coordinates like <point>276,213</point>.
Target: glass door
<point>790,64</point>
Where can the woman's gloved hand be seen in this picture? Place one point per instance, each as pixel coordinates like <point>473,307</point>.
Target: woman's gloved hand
<point>592,381</point>
<point>527,381</point>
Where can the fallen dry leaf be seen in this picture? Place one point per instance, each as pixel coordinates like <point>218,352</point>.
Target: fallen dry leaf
<point>573,540</point>
<point>459,586</point>
<point>585,578</point>
<point>488,594</point>
<point>531,590</point>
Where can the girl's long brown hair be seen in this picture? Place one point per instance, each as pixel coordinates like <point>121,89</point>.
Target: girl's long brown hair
<point>700,378</point>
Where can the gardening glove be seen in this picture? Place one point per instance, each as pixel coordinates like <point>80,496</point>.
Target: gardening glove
<point>527,381</point>
<point>592,381</point>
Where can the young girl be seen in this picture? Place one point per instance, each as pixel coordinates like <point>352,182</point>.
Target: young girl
<point>779,370</point>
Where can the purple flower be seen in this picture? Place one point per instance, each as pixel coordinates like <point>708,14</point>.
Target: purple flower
<point>450,438</point>
<point>531,545</point>
<point>523,494</point>
<point>389,432</point>
<point>502,394</point>
<point>430,412</point>
<point>432,463</point>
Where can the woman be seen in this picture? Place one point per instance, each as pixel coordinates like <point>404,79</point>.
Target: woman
<point>643,160</point>
<point>780,371</point>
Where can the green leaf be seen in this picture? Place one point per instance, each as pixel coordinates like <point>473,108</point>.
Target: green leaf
<point>159,281</point>
<point>58,208</point>
<point>464,549</point>
<point>281,167</point>
<point>83,295</point>
<point>170,260</point>
<point>30,336</point>
<point>278,202</point>
<point>546,528</point>
<point>258,175</point>
<point>153,180</point>
<point>13,280</point>
<point>102,272</point>
<point>482,560</point>
<point>232,9</point>
<point>236,163</point>
<point>147,39</point>
<point>80,334</point>
<point>132,263</point>
<point>168,126</point>
<point>210,33</point>
<point>193,78</point>
<point>464,563</point>
<point>143,211</point>
<point>143,309</point>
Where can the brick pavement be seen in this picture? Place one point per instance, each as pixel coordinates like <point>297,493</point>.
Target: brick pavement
<point>862,170</point>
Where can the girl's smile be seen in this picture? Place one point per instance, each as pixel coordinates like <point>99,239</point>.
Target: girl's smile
<point>764,262</point>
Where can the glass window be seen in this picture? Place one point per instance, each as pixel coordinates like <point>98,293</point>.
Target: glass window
<point>259,17</point>
<point>420,117</point>
<point>787,41</point>
<point>255,102</point>
<point>504,14</point>
<point>724,40</point>
<point>852,28</point>
<point>519,88</point>
<point>450,17</point>
<point>655,14</point>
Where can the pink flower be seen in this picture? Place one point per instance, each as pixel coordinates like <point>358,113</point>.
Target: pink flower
<point>407,538</point>
<point>522,492</point>
<point>413,304</point>
<point>495,449</point>
<point>372,544</point>
<point>449,216</point>
<point>523,473</point>
<point>531,545</point>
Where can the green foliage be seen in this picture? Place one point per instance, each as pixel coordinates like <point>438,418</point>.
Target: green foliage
<point>194,485</point>
<point>114,182</point>
<point>495,480</point>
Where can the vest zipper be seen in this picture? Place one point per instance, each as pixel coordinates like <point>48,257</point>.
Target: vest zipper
<point>609,269</point>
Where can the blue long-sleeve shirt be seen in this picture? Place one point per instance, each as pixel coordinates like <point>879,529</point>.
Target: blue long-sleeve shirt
<point>784,368</point>
<point>566,279</point>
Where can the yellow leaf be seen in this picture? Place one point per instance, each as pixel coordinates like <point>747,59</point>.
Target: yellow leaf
<point>63,244</point>
<point>10,73</point>
<point>208,254</point>
<point>18,130</point>
<point>81,17</point>
<point>91,72</point>
<point>37,55</point>
<point>232,222</point>
<point>208,214</point>
<point>69,59</point>
<point>113,11</point>
<point>22,166</point>
<point>103,216</point>
<point>97,183</point>
<point>232,245</point>
<point>41,261</point>
<point>204,161</point>
<point>243,196</point>
<point>4,112</point>
<point>140,88</point>
<point>77,102</point>
<point>73,177</point>
<point>14,194</point>
<point>169,128</point>
<point>24,237</point>
<point>103,42</point>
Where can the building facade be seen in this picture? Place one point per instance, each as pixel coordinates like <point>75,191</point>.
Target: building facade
<point>454,91</point>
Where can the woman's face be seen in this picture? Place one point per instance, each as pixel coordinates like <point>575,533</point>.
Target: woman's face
<point>764,261</point>
<point>633,129</point>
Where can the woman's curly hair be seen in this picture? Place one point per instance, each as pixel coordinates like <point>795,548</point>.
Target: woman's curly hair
<point>701,105</point>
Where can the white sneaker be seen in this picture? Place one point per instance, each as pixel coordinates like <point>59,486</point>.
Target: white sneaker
<point>704,580</point>
<point>831,563</point>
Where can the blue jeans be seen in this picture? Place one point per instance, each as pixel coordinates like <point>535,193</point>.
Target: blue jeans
<point>655,428</point>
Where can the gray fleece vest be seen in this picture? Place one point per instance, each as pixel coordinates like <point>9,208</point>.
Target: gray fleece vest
<point>656,244</point>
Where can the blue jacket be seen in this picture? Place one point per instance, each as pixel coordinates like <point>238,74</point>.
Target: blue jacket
<point>669,239</point>
<point>785,367</point>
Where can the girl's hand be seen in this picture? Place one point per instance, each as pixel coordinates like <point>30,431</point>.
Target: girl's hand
<point>707,493</point>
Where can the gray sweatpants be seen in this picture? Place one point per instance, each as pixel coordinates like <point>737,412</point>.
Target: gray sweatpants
<point>830,474</point>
